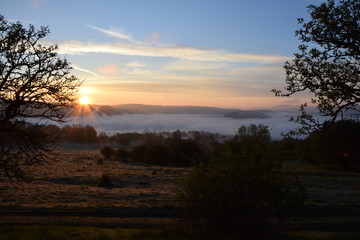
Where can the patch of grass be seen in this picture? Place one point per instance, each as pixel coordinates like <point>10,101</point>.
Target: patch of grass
<point>55,232</point>
<point>322,236</point>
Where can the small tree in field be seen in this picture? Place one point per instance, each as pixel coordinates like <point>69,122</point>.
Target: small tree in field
<point>328,64</point>
<point>241,190</point>
<point>34,83</point>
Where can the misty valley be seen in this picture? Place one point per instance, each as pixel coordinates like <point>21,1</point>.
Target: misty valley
<point>179,120</point>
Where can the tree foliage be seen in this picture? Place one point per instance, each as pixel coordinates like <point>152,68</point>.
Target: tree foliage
<point>107,151</point>
<point>35,83</point>
<point>242,189</point>
<point>78,134</point>
<point>328,62</point>
<point>338,143</point>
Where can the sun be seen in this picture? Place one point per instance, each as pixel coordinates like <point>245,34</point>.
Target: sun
<point>84,100</point>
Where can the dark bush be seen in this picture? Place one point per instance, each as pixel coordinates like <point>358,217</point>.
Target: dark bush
<point>122,155</point>
<point>105,182</point>
<point>286,148</point>
<point>338,143</point>
<point>107,151</point>
<point>241,190</point>
<point>138,153</point>
<point>79,134</point>
<point>103,137</point>
<point>157,154</point>
<point>185,152</point>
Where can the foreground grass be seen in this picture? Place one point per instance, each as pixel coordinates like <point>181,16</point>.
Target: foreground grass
<point>56,232</point>
<point>332,204</point>
<point>321,236</point>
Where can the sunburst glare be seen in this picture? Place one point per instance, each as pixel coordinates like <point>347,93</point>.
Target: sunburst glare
<point>84,100</point>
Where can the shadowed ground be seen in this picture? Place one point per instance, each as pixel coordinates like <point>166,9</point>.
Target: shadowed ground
<point>68,193</point>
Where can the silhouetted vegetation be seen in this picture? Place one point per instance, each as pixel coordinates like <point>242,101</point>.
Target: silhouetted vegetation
<point>287,148</point>
<point>337,143</point>
<point>162,148</point>
<point>122,155</point>
<point>34,83</point>
<point>125,139</point>
<point>107,151</point>
<point>242,190</point>
<point>78,134</point>
<point>327,64</point>
<point>106,182</point>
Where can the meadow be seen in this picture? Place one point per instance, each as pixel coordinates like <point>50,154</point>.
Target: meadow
<point>68,197</point>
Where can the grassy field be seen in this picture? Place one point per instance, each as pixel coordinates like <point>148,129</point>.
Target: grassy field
<point>75,182</point>
<point>67,201</point>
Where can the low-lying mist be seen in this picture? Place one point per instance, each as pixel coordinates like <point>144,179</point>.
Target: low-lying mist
<point>278,122</point>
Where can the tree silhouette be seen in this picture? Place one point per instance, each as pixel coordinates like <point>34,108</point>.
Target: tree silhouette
<point>242,189</point>
<point>328,64</point>
<point>35,85</point>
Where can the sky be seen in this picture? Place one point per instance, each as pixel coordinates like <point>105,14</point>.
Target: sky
<point>222,53</point>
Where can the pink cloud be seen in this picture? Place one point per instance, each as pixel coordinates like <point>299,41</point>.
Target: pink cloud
<point>109,69</point>
<point>153,38</point>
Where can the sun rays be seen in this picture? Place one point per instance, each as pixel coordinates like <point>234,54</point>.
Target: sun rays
<point>84,100</point>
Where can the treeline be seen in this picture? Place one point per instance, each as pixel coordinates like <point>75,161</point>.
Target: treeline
<point>73,133</point>
<point>338,143</point>
<point>88,134</point>
<point>176,148</point>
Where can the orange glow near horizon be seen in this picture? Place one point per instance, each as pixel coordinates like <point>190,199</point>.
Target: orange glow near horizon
<point>118,98</point>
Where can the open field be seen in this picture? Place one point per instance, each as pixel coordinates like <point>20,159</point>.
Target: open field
<point>74,182</point>
<point>68,193</point>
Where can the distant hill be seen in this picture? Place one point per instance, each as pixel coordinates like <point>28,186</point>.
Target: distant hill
<point>153,109</point>
<point>244,114</point>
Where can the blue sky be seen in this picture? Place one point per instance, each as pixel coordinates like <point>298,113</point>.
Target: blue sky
<point>222,53</point>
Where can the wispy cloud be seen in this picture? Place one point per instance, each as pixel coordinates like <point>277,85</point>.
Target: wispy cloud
<point>132,47</point>
<point>172,51</point>
<point>202,67</point>
<point>85,70</point>
<point>114,32</point>
<point>136,65</point>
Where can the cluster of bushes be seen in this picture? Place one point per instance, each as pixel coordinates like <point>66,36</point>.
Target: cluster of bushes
<point>242,189</point>
<point>154,148</point>
<point>338,143</point>
<point>73,133</point>
<point>234,187</point>
<point>78,134</point>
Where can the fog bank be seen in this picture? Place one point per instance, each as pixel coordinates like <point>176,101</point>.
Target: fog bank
<point>278,122</point>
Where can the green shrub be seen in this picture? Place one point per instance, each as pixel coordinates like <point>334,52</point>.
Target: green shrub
<point>241,190</point>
